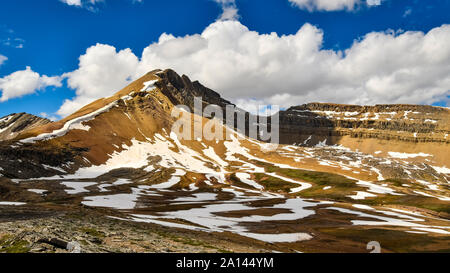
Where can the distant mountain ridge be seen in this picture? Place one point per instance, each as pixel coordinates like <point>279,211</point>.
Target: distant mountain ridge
<point>143,109</point>
<point>415,123</point>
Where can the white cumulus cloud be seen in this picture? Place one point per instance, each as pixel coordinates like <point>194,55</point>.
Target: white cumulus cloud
<point>381,67</point>
<point>49,117</point>
<point>25,82</point>
<point>89,4</point>
<point>326,5</point>
<point>3,59</point>
<point>102,71</point>
<point>373,2</point>
<point>72,2</point>
<point>333,5</point>
<point>248,67</point>
<point>229,9</point>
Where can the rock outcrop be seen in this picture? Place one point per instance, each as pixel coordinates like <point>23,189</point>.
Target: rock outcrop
<point>411,123</point>
<point>12,125</point>
<point>182,91</point>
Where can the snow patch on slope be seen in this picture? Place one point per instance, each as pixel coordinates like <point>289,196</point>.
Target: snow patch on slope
<point>406,155</point>
<point>75,123</point>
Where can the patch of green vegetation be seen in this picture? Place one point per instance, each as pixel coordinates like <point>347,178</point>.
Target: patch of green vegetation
<point>84,242</point>
<point>9,245</point>
<point>5,238</point>
<point>224,251</point>
<point>93,232</point>
<point>396,181</point>
<point>423,202</point>
<point>193,242</point>
<point>186,240</point>
<point>318,178</point>
<point>341,186</point>
<point>273,183</point>
<point>169,235</point>
<point>390,240</point>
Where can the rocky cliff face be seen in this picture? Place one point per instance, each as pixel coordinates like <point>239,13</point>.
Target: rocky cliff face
<point>12,125</point>
<point>316,122</point>
<point>182,91</point>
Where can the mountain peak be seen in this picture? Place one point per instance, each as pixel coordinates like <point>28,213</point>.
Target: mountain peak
<point>16,123</point>
<point>180,89</point>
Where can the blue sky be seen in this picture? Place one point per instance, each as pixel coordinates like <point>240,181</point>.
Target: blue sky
<point>49,36</point>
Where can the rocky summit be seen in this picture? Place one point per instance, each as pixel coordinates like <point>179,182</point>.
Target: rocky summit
<point>12,125</point>
<point>114,177</point>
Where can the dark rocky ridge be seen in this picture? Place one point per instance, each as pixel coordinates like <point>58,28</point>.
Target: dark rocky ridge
<point>182,91</point>
<point>298,123</point>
